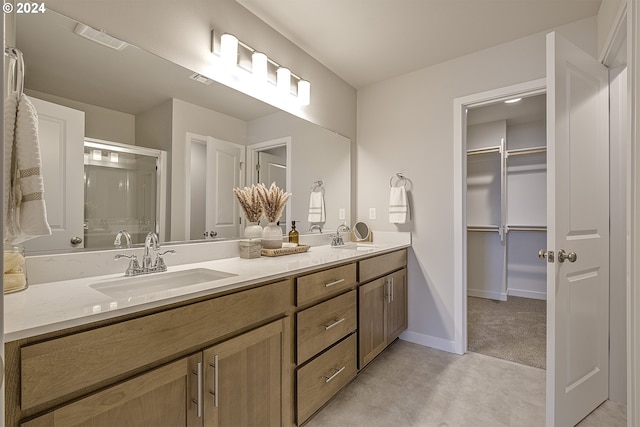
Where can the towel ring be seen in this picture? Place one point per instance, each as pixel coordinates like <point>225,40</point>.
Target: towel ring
<point>317,185</point>
<point>401,179</point>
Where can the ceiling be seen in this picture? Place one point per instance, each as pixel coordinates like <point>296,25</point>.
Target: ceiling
<point>367,41</point>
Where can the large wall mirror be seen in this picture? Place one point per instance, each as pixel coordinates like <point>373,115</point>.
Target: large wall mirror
<point>207,138</point>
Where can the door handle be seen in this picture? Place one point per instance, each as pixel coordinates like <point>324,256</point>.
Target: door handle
<point>542,254</point>
<point>562,256</point>
<point>76,240</point>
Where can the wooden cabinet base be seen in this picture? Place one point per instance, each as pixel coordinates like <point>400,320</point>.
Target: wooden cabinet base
<point>324,376</point>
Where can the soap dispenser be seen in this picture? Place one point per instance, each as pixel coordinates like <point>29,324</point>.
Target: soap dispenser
<point>293,234</point>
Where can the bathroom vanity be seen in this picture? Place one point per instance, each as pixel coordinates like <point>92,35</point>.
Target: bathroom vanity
<point>269,345</point>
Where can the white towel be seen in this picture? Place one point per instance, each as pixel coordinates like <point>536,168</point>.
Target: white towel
<point>316,207</point>
<point>398,207</point>
<point>25,210</point>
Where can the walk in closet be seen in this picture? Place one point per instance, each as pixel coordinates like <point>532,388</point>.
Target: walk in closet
<point>506,199</point>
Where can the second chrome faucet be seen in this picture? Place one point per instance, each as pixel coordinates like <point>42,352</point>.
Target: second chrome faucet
<point>149,265</point>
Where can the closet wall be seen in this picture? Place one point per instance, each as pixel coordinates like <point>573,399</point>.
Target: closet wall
<point>506,200</point>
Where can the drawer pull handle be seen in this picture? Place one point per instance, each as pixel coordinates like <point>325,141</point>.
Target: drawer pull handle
<point>326,328</point>
<point>327,379</point>
<point>335,282</point>
<point>215,393</point>
<point>198,374</point>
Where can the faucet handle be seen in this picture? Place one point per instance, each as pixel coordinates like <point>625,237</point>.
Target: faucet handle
<point>133,269</point>
<point>160,265</point>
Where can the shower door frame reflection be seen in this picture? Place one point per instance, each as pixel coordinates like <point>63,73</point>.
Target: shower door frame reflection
<point>157,224</point>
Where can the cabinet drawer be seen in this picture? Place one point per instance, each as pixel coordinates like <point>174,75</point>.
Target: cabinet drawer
<point>324,324</point>
<point>316,286</point>
<point>62,366</point>
<point>380,265</point>
<point>324,376</point>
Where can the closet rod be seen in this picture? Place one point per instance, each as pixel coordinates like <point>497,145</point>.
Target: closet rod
<point>525,228</point>
<point>483,151</point>
<point>523,151</point>
<point>484,229</point>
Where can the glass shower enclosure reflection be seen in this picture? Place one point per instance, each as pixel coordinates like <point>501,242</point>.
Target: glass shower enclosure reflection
<point>121,191</point>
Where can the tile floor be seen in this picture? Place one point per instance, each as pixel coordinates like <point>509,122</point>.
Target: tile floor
<point>411,385</point>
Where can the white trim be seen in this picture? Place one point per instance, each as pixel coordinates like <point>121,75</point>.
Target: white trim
<point>527,294</point>
<point>428,341</point>
<point>616,36</point>
<point>633,294</point>
<point>460,106</point>
<point>498,296</point>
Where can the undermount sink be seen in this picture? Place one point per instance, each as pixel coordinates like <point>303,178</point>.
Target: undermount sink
<point>356,246</point>
<point>156,282</point>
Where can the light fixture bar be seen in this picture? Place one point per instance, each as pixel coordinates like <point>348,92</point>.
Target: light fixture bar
<point>216,49</point>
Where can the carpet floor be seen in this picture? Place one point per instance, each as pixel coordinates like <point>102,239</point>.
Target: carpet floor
<point>512,330</point>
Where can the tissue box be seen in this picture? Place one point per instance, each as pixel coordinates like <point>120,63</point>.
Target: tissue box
<point>250,248</point>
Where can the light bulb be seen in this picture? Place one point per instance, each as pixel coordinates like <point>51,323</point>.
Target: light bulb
<point>304,92</point>
<point>259,66</point>
<point>229,49</point>
<point>283,80</point>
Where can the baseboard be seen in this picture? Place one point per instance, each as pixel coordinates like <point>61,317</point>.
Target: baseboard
<point>428,341</point>
<point>527,294</point>
<point>487,294</point>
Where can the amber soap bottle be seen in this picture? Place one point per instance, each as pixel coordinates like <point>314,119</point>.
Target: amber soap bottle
<point>293,234</point>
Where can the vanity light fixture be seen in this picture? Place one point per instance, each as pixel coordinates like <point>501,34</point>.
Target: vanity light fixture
<point>304,92</point>
<point>262,73</point>
<point>512,101</point>
<point>259,66</point>
<point>113,157</point>
<point>283,80</point>
<point>96,154</point>
<point>229,49</point>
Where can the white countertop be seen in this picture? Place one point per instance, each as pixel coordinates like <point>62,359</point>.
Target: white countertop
<point>53,306</point>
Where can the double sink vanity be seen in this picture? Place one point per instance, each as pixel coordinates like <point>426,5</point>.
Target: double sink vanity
<point>226,342</point>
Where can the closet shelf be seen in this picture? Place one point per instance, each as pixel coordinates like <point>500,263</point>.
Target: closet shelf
<point>485,150</point>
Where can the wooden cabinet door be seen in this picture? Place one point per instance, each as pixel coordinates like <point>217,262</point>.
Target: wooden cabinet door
<point>372,325</point>
<point>396,304</point>
<point>161,397</point>
<point>243,379</point>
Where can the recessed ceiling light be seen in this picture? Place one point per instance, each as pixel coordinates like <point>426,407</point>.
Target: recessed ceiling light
<point>511,101</point>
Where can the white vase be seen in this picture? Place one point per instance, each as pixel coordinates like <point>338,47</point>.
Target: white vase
<point>272,236</point>
<point>253,230</point>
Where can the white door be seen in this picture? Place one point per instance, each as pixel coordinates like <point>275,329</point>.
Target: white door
<point>578,223</point>
<point>224,167</point>
<point>61,135</point>
<point>272,168</point>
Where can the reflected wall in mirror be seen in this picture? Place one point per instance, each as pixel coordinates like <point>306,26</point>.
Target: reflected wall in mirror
<point>130,96</point>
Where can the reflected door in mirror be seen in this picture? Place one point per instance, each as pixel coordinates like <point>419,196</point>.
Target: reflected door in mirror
<point>214,169</point>
<point>61,136</point>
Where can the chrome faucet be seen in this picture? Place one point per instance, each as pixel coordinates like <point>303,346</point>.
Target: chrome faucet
<point>117,242</point>
<point>314,226</point>
<point>336,240</point>
<point>148,266</point>
<point>150,242</point>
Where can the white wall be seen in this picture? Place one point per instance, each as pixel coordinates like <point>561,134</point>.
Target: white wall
<point>405,124</point>
<point>99,123</point>
<point>316,154</point>
<point>181,32</point>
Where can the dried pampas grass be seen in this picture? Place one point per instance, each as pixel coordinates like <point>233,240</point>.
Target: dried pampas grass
<point>249,202</point>
<point>273,201</point>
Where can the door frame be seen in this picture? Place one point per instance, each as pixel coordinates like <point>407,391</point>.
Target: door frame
<point>252,160</point>
<point>460,105</point>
